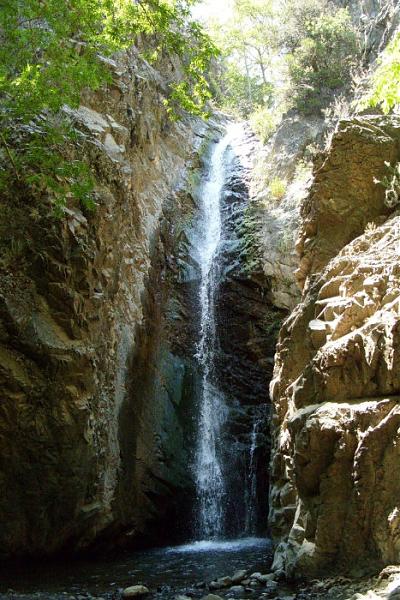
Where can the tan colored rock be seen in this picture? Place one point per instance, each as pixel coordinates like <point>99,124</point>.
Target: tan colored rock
<point>135,591</point>
<point>84,450</point>
<point>334,501</point>
<point>344,196</point>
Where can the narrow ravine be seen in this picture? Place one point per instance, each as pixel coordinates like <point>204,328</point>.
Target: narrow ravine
<point>225,465</point>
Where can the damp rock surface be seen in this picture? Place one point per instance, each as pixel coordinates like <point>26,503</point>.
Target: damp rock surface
<point>95,389</point>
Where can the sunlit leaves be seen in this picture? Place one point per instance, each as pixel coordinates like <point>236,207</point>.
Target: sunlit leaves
<point>386,80</point>
<point>322,60</point>
<point>50,52</point>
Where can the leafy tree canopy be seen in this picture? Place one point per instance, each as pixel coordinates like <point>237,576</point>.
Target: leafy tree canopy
<point>50,51</point>
<point>325,48</point>
<point>283,54</point>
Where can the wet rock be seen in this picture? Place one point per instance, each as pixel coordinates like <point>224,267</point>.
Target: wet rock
<point>211,597</point>
<point>135,591</point>
<point>86,313</point>
<point>222,582</point>
<point>236,590</point>
<point>239,576</point>
<point>262,578</point>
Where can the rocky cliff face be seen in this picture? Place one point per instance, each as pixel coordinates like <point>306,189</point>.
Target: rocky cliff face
<point>288,155</point>
<point>246,345</point>
<point>336,387</point>
<point>99,325</point>
<point>95,387</point>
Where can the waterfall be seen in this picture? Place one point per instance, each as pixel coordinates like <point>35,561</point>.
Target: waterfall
<point>251,488</point>
<point>213,461</point>
<point>213,409</point>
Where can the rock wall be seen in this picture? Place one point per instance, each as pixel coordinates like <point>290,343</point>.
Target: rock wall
<point>91,332</point>
<point>245,349</point>
<point>336,389</point>
<point>291,150</point>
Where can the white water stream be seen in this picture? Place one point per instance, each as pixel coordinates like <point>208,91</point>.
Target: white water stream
<point>251,488</point>
<point>213,409</point>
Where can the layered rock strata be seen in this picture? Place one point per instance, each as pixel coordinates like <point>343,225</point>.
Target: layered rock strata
<point>94,392</point>
<point>336,387</point>
<point>245,349</point>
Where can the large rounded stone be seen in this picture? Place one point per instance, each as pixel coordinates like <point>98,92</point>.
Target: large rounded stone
<point>135,591</point>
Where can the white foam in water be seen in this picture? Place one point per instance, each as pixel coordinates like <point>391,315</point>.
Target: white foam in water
<point>209,474</point>
<point>222,546</point>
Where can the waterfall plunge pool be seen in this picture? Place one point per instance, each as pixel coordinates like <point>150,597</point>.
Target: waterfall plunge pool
<point>167,572</point>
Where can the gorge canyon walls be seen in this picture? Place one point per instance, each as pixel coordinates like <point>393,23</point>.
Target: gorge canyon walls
<point>334,494</point>
<point>83,451</point>
<point>99,321</point>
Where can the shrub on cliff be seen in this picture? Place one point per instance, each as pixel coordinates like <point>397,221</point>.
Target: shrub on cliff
<point>322,61</point>
<point>386,79</point>
<point>50,50</point>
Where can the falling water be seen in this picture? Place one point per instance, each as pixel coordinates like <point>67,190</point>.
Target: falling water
<point>251,488</point>
<point>213,409</point>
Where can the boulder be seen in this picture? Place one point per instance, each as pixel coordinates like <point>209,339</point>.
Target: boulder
<point>135,591</point>
<point>222,582</point>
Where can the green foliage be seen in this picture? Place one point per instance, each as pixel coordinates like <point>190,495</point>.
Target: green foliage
<point>243,80</point>
<point>277,188</point>
<point>264,121</point>
<point>391,183</point>
<point>386,80</point>
<point>311,44</point>
<point>322,61</point>
<point>239,93</point>
<point>272,323</point>
<point>44,162</point>
<point>248,232</point>
<point>51,50</point>
<point>295,20</point>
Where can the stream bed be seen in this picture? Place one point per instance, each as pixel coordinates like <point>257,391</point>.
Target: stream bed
<point>167,572</point>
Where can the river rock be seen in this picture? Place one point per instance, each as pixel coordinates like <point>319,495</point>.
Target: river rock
<point>266,578</point>
<point>211,597</point>
<point>238,576</point>
<point>135,591</point>
<point>222,582</point>
<point>236,590</point>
